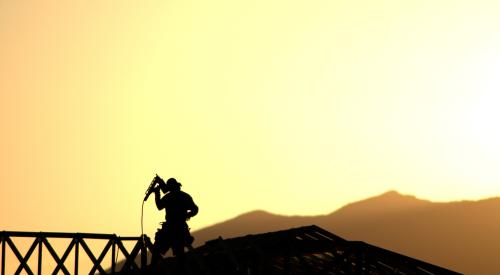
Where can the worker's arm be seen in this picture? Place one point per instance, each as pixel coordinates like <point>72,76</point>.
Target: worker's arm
<point>193,208</point>
<point>159,202</point>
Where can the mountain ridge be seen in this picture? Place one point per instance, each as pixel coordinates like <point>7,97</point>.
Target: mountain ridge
<point>459,235</point>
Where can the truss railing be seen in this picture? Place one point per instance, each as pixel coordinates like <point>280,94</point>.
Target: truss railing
<point>78,241</point>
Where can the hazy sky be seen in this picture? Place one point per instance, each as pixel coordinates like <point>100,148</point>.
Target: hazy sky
<point>296,107</point>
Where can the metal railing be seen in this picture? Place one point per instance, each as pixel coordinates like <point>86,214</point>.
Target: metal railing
<point>78,242</point>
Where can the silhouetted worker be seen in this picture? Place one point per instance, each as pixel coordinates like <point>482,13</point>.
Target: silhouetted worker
<point>174,233</point>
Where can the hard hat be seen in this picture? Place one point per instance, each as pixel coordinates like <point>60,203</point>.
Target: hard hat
<point>171,182</point>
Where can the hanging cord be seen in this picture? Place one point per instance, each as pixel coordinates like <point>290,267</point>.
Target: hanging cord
<point>142,223</point>
<point>148,193</point>
<point>116,258</point>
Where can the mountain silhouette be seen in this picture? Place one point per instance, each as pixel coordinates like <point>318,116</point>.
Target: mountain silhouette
<point>462,236</point>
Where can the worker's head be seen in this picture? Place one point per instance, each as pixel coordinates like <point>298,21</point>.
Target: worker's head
<point>172,185</point>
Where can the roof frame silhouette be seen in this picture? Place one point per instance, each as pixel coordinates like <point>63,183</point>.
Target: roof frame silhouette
<point>302,250</point>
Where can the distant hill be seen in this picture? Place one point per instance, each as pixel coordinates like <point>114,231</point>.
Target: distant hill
<point>462,236</point>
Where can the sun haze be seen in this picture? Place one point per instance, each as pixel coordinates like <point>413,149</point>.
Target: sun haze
<point>295,107</point>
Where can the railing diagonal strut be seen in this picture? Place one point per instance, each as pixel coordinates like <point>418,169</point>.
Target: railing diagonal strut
<point>91,255</point>
<point>59,261</point>
<point>101,257</point>
<point>128,260</point>
<point>18,255</point>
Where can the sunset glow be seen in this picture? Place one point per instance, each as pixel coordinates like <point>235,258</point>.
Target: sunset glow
<point>293,107</point>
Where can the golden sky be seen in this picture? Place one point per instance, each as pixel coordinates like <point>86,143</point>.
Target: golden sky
<point>295,107</point>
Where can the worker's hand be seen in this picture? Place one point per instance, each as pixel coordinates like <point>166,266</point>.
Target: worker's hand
<point>158,180</point>
<point>189,215</point>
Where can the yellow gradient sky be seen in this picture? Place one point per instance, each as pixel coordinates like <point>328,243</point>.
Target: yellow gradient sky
<point>296,107</point>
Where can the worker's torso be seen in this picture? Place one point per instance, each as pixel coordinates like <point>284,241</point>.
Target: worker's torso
<point>176,206</point>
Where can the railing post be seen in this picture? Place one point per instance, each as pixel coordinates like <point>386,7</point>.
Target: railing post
<point>2,238</point>
<point>40,246</point>
<point>77,246</point>
<point>113,252</point>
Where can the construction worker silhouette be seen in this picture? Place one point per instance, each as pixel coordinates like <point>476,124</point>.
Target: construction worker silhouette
<point>179,207</point>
